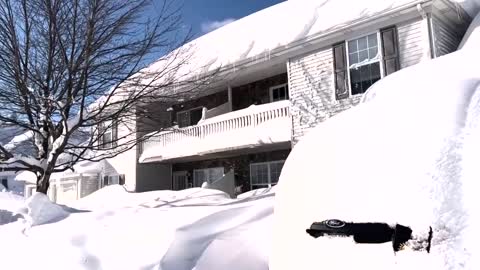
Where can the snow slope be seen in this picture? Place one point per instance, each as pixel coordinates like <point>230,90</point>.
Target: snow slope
<point>168,230</point>
<point>471,38</point>
<point>409,155</point>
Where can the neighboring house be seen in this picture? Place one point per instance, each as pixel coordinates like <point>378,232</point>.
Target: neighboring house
<point>301,64</point>
<point>8,178</point>
<point>68,186</point>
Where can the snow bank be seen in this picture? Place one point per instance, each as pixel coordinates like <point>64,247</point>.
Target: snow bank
<point>116,197</point>
<point>401,158</point>
<point>170,230</point>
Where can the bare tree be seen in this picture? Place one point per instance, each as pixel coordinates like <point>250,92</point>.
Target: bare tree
<point>70,70</point>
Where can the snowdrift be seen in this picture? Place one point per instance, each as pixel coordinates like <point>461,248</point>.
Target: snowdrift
<point>190,229</point>
<point>408,155</point>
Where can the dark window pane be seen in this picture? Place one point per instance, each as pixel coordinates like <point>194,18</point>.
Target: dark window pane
<point>183,119</point>
<point>195,116</point>
<point>352,46</point>
<point>275,94</point>
<point>362,56</point>
<point>282,93</point>
<point>363,77</point>
<point>362,43</point>
<point>353,58</point>
<point>375,72</point>
<point>356,84</point>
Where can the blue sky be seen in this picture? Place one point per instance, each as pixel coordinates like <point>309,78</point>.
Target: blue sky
<point>204,15</point>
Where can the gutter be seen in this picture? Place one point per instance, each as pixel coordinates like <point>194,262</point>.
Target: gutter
<point>318,38</point>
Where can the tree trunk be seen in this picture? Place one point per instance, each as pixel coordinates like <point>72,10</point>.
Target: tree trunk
<point>43,182</point>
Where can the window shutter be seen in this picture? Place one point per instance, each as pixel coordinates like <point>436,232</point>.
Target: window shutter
<point>121,179</point>
<point>340,71</point>
<point>390,50</point>
<point>114,133</point>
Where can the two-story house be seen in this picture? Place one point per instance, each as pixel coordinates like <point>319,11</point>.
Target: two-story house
<point>289,67</point>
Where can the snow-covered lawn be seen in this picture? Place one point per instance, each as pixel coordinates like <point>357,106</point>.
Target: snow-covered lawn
<point>113,229</point>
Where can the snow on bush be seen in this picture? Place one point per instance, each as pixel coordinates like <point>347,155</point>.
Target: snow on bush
<point>400,158</point>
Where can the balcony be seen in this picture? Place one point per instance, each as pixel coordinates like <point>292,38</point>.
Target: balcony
<point>260,126</point>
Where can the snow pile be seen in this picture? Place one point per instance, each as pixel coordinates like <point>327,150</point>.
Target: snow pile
<point>116,197</point>
<point>168,230</point>
<point>39,210</point>
<point>471,39</point>
<point>408,155</point>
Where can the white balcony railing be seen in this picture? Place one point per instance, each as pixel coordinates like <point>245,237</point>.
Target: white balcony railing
<point>268,123</point>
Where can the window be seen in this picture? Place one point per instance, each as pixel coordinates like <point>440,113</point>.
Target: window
<point>189,117</point>
<point>279,92</point>
<point>265,174</point>
<point>5,183</point>
<point>209,175</point>
<point>116,179</point>
<point>108,131</point>
<point>364,63</point>
<point>361,61</point>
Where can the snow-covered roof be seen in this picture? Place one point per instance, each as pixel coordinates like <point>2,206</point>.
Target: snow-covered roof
<point>281,27</point>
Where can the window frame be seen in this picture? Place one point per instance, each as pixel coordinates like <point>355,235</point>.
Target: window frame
<point>208,176</point>
<point>378,33</point>
<point>108,127</point>
<point>275,87</point>
<point>268,163</point>
<point>189,115</point>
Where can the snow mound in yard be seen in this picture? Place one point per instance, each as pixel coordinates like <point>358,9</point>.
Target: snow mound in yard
<point>39,210</point>
<point>116,196</point>
<point>170,230</point>
<point>409,155</point>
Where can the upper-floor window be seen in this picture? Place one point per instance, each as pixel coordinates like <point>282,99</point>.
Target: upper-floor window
<point>363,63</point>
<point>360,62</point>
<point>108,131</point>
<point>189,117</point>
<point>278,92</point>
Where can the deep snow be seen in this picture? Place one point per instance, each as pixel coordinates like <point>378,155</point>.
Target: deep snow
<point>409,155</point>
<point>114,229</point>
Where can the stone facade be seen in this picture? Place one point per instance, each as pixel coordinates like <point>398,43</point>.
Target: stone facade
<point>240,165</point>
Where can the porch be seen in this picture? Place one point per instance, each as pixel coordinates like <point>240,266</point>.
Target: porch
<point>257,126</point>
